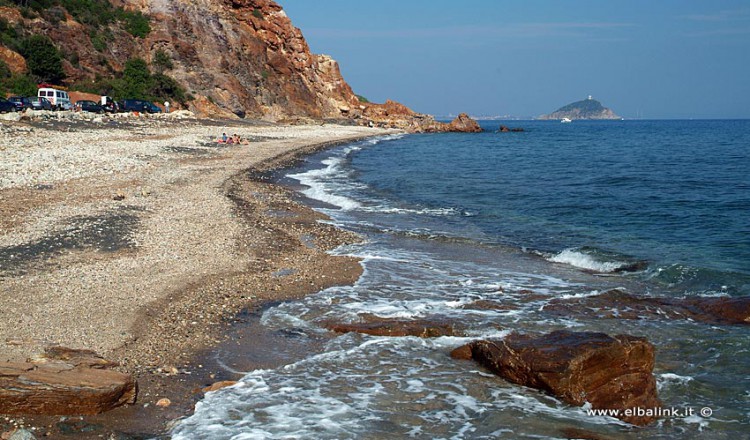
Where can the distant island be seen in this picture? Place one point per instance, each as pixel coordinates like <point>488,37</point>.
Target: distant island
<point>589,108</point>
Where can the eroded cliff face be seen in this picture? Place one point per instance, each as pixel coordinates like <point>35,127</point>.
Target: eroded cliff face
<point>245,57</point>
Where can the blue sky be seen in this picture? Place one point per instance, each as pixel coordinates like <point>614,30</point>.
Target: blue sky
<point>654,59</point>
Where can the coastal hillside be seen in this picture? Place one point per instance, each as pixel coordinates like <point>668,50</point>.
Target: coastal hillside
<point>235,57</point>
<point>223,58</point>
<point>586,109</point>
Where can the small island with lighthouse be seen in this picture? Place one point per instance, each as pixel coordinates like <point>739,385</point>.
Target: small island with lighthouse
<point>588,108</point>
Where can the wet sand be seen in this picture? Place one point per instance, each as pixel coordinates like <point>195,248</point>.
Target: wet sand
<point>154,246</point>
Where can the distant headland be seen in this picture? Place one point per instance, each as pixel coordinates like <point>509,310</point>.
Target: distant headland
<point>589,108</point>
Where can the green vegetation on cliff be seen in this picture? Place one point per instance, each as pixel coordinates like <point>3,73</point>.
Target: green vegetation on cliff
<point>101,22</point>
<point>94,13</point>
<point>137,82</point>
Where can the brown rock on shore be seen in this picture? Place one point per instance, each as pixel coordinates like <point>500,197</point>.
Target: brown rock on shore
<point>623,305</point>
<point>608,372</point>
<point>66,382</point>
<point>392,114</point>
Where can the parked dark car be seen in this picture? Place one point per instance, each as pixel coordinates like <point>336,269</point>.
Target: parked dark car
<point>137,105</point>
<point>40,103</point>
<point>21,102</point>
<point>6,106</point>
<point>88,106</point>
<point>152,108</point>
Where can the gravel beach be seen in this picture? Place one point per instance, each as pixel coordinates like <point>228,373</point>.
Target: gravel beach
<point>141,240</point>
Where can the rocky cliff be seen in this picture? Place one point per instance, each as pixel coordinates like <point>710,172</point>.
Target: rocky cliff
<point>235,58</point>
<point>246,57</point>
<point>587,109</point>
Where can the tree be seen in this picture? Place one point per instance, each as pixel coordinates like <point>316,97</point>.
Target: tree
<point>43,59</point>
<point>137,79</point>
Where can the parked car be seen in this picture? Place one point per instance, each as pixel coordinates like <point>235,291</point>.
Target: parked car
<point>137,105</point>
<point>59,98</point>
<point>88,106</point>
<point>40,103</point>
<point>6,106</point>
<point>21,102</point>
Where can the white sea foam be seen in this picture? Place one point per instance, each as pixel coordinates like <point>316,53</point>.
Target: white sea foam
<point>583,260</point>
<point>668,379</point>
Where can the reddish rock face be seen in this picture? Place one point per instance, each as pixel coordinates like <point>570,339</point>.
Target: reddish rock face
<point>619,304</point>
<point>65,382</point>
<point>464,124</point>
<point>399,328</point>
<point>15,62</point>
<point>608,372</point>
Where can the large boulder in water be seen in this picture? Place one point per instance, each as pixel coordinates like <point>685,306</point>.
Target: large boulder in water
<point>464,124</point>
<point>619,304</point>
<point>578,367</point>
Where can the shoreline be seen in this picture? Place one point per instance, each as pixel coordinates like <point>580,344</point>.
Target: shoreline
<point>277,252</point>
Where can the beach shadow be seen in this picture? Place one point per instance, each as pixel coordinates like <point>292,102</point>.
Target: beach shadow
<point>110,232</point>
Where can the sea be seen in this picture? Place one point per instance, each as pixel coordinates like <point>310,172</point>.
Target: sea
<point>657,208</point>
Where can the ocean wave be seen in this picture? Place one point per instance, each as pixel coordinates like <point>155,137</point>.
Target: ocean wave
<point>584,260</point>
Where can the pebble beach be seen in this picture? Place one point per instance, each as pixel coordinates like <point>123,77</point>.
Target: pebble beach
<point>141,238</point>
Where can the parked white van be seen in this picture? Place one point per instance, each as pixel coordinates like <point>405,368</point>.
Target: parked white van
<point>59,98</point>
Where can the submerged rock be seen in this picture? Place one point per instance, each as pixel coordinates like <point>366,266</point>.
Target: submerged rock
<point>63,382</point>
<point>619,304</point>
<point>399,328</point>
<point>578,367</point>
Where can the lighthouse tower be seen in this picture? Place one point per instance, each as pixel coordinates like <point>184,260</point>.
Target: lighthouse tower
<point>590,98</point>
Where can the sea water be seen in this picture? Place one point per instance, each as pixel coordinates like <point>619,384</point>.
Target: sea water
<point>518,218</point>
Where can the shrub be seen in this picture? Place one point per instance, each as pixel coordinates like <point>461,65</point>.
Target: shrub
<point>99,42</point>
<point>9,35</point>
<point>162,61</point>
<point>4,70</point>
<point>166,87</point>
<point>135,23</point>
<point>362,99</point>
<point>14,83</point>
<point>54,15</point>
<point>22,85</point>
